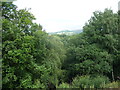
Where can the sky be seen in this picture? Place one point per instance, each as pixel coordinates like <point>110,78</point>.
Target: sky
<point>57,15</point>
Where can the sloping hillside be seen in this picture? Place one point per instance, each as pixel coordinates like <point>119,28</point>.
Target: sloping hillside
<point>67,32</point>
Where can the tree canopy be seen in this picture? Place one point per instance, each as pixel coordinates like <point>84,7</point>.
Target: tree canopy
<point>31,58</point>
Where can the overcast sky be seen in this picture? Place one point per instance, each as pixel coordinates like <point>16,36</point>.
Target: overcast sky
<point>57,15</point>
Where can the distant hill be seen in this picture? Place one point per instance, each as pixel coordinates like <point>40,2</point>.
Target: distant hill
<point>67,32</point>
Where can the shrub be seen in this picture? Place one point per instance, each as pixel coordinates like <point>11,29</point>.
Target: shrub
<point>64,85</point>
<point>82,82</point>
<point>112,85</point>
<point>99,81</point>
<point>89,82</point>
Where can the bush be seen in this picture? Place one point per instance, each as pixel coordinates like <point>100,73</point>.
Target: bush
<point>64,85</point>
<point>82,82</point>
<point>112,85</point>
<point>89,82</point>
<point>99,81</point>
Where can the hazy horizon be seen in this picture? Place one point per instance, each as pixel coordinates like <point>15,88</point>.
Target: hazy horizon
<point>58,15</point>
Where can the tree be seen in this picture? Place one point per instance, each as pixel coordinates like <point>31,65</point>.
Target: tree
<point>21,66</point>
<point>94,51</point>
<point>31,58</point>
<point>103,30</point>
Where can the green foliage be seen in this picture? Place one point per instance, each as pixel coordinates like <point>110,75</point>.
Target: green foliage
<point>30,59</point>
<point>100,81</point>
<point>89,82</point>
<point>95,51</point>
<point>81,82</point>
<point>102,29</point>
<point>112,85</point>
<point>55,58</point>
<point>34,59</point>
<point>64,85</point>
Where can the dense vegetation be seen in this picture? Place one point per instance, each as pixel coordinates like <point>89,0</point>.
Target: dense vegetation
<point>31,58</point>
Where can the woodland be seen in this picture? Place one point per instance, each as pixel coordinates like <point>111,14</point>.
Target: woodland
<point>31,58</point>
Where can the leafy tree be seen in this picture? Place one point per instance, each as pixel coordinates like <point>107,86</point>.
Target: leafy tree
<point>31,58</point>
<point>102,29</point>
<point>21,66</point>
<point>55,58</point>
<point>94,51</point>
<point>34,59</point>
